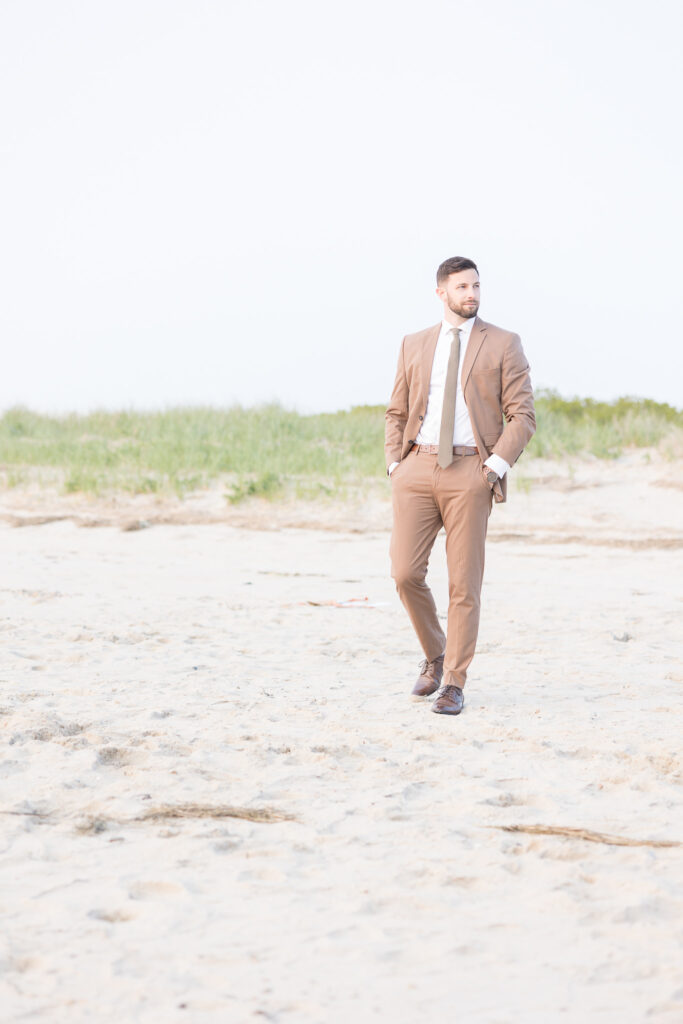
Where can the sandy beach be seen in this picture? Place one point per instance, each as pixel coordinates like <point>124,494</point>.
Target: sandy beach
<point>219,804</point>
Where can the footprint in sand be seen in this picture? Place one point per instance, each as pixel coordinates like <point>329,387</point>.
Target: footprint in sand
<point>112,915</point>
<point>56,731</point>
<point>20,964</point>
<point>120,757</point>
<point>506,800</point>
<point>153,890</point>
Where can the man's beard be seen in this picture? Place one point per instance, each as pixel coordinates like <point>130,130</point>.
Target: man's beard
<point>466,312</point>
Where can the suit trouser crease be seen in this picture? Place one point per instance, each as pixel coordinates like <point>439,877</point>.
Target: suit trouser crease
<point>425,497</point>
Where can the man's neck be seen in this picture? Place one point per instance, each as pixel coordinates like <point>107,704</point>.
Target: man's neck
<point>454,320</point>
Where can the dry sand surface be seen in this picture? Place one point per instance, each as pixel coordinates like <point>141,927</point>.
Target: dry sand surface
<point>219,804</point>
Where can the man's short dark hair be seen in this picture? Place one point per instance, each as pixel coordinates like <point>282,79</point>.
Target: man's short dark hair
<point>453,266</point>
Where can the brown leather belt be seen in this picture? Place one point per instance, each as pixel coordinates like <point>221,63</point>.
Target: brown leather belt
<point>433,449</point>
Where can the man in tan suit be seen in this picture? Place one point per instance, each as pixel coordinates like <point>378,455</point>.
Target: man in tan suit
<point>448,451</point>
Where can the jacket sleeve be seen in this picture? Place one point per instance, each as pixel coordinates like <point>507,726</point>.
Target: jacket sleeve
<point>517,400</point>
<point>396,416</point>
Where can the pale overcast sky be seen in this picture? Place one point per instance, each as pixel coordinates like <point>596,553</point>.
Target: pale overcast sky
<point>220,201</point>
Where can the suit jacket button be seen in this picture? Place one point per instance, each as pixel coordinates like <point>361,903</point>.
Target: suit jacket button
<point>421,417</point>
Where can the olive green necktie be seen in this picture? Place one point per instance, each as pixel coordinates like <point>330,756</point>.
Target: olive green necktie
<point>445,456</point>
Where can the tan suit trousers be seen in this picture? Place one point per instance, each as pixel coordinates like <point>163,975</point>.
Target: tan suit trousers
<point>425,498</point>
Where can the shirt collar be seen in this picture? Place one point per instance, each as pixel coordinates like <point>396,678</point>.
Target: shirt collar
<point>465,329</point>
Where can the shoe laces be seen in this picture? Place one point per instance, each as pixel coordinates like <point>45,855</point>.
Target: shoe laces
<point>426,665</point>
<point>448,690</point>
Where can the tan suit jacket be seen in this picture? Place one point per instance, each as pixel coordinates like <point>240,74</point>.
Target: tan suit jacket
<point>495,383</point>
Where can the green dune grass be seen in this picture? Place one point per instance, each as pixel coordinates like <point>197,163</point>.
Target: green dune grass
<point>270,450</point>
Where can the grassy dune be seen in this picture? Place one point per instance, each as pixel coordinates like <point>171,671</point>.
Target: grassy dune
<point>269,450</point>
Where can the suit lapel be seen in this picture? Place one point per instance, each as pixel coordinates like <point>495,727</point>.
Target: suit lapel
<point>473,345</point>
<point>431,338</point>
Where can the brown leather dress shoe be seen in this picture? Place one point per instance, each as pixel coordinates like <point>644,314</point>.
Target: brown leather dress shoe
<point>448,701</point>
<point>430,677</point>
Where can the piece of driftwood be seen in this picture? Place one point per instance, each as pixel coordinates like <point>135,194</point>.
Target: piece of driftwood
<point>587,834</point>
<point>167,811</point>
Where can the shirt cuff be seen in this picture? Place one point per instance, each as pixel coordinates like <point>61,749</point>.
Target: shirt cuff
<point>393,466</point>
<point>498,465</point>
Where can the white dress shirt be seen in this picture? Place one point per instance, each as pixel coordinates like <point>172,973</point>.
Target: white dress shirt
<point>431,425</point>
<point>462,428</point>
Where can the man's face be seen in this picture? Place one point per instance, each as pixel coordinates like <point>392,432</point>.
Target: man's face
<point>460,293</point>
